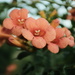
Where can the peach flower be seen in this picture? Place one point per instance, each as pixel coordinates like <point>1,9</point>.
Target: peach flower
<point>16,21</point>
<point>63,39</point>
<point>72,14</point>
<point>10,68</point>
<point>39,32</point>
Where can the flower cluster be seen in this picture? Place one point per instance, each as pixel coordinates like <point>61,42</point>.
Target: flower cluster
<point>39,32</point>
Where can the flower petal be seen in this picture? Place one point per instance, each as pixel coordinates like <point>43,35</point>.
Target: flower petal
<point>10,68</point>
<point>17,30</point>
<point>53,48</point>
<point>50,34</point>
<point>67,32</point>
<point>14,14</point>
<point>27,34</point>
<point>39,42</point>
<point>63,42</point>
<point>42,23</point>
<point>30,24</point>
<point>23,13</point>
<point>71,37</point>
<point>59,32</point>
<point>8,23</point>
<point>71,41</point>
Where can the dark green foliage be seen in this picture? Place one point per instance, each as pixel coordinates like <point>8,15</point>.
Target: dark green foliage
<point>6,52</point>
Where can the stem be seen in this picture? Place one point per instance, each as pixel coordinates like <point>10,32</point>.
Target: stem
<point>23,41</point>
<point>20,43</point>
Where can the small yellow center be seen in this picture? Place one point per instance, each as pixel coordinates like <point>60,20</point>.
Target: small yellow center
<point>21,21</point>
<point>37,32</point>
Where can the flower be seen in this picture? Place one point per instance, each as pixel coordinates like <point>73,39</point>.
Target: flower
<point>39,32</point>
<point>15,41</point>
<point>72,14</point>
<point>10,68</point>
<point>69,37</point>
<point>63,39</point>
<point>16,21</point>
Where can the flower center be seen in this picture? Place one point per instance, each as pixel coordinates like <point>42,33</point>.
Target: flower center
<point>38,32</point>
<point>21,21</point>
<point>55,41</point>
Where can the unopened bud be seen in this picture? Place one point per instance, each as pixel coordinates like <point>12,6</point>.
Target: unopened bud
<point>53,13</point>
<point>55,23</point>
<point>12,40</point>
<point>42,14</point>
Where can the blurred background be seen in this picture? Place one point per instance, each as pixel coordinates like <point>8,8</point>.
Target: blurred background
<point>41,62</point>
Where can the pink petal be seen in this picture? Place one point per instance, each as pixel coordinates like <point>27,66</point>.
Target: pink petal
<point>71,37</point>
<point>23,13</point>
<point>14,14</point>
<point>17,30</point>
<point>42,23</point>
<point>10,68</point>
<point>8,23</point>
<point>50,34</point>
<point>71,41</point>
<point>39,42</point>
<point>30,24</point>
<point>63,42</point>
<point>67,32</point>
<point>53,48</point>
<point>27,34</point>
<point>59,32</point>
